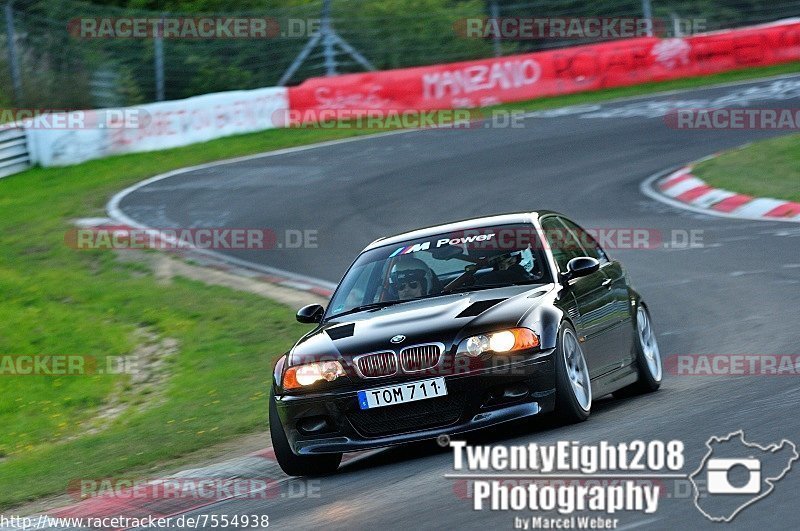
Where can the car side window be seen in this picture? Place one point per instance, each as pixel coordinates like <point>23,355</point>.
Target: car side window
<point>562,242</point>
<point>587,241</point>
<point>357,289</point>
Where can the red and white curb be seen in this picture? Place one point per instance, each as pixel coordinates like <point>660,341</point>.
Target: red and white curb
<point>682,189</point>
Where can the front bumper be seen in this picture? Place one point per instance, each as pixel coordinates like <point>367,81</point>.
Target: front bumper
<point>333,422</point>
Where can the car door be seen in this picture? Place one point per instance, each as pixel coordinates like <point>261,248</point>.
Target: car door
<point>618,327</point>
<point>591,294</point>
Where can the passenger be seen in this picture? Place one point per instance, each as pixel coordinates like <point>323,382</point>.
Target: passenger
<point>506,269</point>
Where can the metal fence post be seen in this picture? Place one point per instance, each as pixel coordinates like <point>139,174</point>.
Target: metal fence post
<point>647,12</point>
<point>330,40</point>
<point>327,39</point>
<point>158,60</point>
<point>494,11</point>
<point>13,57</point>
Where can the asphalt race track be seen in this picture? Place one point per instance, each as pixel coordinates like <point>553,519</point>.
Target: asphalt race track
<point>735,294</point>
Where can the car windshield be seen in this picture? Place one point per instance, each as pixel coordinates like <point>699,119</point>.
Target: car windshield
<point>468,260</point>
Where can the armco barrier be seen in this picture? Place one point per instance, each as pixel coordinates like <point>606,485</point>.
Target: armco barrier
<point>14,155</point>
<point>550,73</point>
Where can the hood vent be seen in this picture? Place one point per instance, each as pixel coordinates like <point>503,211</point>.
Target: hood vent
<point>478,308</point>
<point>341,332</point>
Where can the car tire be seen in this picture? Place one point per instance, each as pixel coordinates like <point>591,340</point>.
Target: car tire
<point>573,385</point>
<point>291,463</point>
<point>647,357</point>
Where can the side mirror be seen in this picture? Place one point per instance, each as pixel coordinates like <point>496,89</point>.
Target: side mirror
<point>580,267</point>
<point>310,314</point>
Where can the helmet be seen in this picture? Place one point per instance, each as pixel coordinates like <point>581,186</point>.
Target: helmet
<point>413,269</point>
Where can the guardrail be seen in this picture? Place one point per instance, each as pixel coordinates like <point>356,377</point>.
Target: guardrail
<point>14,156</point>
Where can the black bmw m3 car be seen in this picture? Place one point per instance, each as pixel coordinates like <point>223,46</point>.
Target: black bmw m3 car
<point>459,327</point>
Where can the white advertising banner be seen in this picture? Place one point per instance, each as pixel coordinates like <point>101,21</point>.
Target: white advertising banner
<point>72,137</point>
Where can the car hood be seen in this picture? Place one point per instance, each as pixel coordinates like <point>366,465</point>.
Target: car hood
<point>446,319</point>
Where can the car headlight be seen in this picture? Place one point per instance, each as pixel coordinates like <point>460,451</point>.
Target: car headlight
<point>502,341</point>
<point>301,376</point>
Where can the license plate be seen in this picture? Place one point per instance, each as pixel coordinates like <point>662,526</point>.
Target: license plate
<point>402,393</point>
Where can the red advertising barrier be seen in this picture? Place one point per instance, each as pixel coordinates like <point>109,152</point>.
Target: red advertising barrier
<point>564,71</point>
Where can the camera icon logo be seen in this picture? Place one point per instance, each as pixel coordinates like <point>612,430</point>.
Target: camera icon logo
<point>719,472</point>
<point>736,473</point>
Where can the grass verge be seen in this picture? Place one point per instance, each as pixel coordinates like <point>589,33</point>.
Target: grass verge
<point>57,300</point>
<point>770,168</point>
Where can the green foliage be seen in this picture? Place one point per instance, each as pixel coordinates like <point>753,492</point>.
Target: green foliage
<point>403,33</point>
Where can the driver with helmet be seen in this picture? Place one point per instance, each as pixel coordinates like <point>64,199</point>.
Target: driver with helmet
<point>412,278</point>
